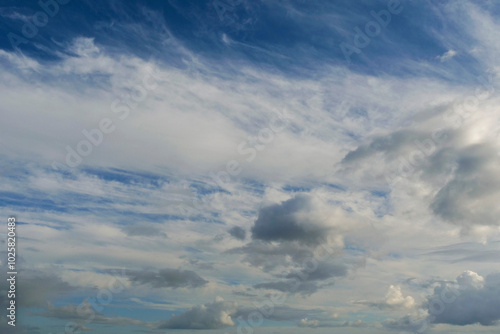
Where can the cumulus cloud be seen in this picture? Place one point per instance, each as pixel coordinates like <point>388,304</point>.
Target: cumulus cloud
<point>473,300</point>
<point>470,299</point>
<point>288,233</point>
<point>292,220</point>
<point>238,232</point>
<point>207,316</point>
<point>395,298</point>
<point>167,278</point>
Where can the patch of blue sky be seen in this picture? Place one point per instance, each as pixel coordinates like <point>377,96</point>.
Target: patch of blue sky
<point>20,201</point>
<point>335,186</point>
<point>296,189</point>
<point>128,177</point>
<point>271,41</point>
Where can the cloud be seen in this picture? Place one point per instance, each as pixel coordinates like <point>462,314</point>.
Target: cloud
<point>86,313</point>
<point>462,169</point>
<point>238,232</point>
<point>472,300</point>
<point>167,278</point>
<point>213,315</point>
<point>37,286</point>
<point>447,55</point>
<point>308,323</point>
<point>306,281</point>
<point>322,271</point>
<point>474,186</point>
<point>290,286</point>
<point>144,230</point>
<point>292,220</point>
<point>270,256</point>
<point>394,300</point>
<point>406,323</point>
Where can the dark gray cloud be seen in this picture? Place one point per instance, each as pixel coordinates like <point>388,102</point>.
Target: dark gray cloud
<point>167,278</point>
<point>406,324</point>
<point>292,220</point>
<point>36,287</point>
<point>472,300</point>
<point>238,232</point>
<point>469,197</point>
<point>208,316</point>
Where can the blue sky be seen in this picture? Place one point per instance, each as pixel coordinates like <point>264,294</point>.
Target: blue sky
<point>231,166</point>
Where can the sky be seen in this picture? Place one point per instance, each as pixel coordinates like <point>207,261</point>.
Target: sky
<point>251,166</point>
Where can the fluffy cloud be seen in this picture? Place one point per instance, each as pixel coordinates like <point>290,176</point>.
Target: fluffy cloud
<point>167,278</point>
<point>292,220</point>
<point>208,316</point>
<point>473,300</point>
<point>470,299</point>
<point>289,233</point>
<point>395,298</point>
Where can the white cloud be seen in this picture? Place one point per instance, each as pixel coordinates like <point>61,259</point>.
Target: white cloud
<point>447,55</point>
<point>395,298</point>
<point>208,316</point>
